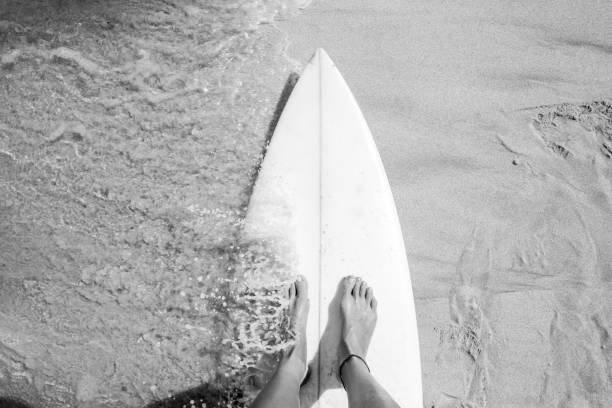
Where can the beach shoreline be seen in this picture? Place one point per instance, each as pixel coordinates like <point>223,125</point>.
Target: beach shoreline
<point>132,134</point>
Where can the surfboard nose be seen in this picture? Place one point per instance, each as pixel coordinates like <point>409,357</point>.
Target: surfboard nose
<point>321,58</point>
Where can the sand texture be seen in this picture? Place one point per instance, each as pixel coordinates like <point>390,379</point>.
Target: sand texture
<point>131,131</point>
<point>494,122</point>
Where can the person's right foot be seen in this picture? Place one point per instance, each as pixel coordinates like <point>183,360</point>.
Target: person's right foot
<point>358,316</point>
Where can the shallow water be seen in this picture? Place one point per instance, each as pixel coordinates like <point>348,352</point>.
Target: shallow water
<point>130,133</point>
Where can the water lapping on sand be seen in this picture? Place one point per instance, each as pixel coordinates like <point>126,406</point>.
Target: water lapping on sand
<point>129,141</point>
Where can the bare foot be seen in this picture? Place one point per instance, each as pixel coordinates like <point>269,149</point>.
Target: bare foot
<point>293,359</point>
<point>358,316</point>
<point>352,317</point>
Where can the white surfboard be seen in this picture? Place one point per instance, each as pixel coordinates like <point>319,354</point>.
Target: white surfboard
<point>323,197</point>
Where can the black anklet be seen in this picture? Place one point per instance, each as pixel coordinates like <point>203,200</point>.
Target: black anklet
<point>347,358</point>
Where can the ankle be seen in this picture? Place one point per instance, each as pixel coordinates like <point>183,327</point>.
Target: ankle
<point>352,371</point>
<point>291,366</point>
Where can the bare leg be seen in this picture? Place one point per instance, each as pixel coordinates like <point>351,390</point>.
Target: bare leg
<point>282,391</point>
<point>358,311</point>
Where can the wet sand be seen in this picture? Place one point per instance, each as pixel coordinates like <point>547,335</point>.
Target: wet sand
<point>130,133</point>
<point>495,126</point>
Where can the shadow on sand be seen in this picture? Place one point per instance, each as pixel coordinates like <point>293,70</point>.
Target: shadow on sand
<point>220,394</point>
<point>6,402</point>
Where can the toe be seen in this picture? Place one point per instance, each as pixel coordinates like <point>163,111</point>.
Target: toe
<point>347,283</point>
<point>362,289</point>
<point>301,286</point>
<point>356,286</point>
<point>374,304</point>
<point>369,295</point>
<point>292,290</point>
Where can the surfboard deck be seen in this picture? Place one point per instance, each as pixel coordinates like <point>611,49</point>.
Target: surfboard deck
<point>323,200</point>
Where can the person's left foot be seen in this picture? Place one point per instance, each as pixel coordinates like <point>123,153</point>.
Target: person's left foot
<point>293,359</point>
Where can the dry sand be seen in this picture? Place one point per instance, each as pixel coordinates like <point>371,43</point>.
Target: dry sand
<point>492,122</point>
